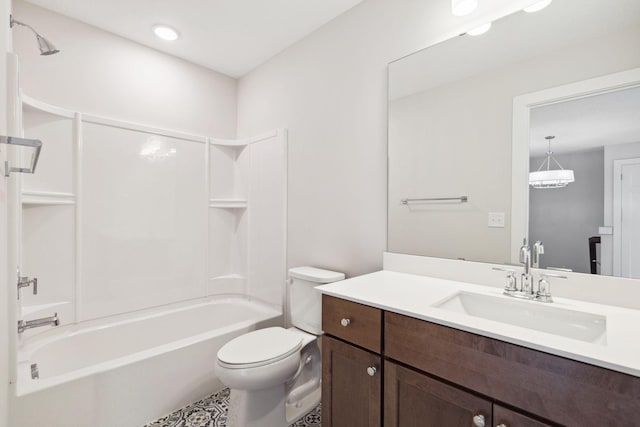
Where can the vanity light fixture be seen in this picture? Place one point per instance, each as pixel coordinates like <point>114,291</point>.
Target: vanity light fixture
<point>463,7</point>
<point>165,32</point>
<point>480,30</point>
<point>550,178</point>
<point>537,6</point>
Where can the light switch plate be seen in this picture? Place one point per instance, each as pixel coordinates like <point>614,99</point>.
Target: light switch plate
<point>496,219</point>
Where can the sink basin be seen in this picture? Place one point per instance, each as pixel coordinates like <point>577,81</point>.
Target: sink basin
<point>538,316</point>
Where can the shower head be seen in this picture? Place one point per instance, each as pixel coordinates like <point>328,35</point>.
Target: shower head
<point>45,46</point>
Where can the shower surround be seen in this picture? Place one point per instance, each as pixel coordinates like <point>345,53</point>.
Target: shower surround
<point>148,243</point>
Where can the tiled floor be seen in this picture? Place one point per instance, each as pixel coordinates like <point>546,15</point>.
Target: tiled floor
<point>212,412</point>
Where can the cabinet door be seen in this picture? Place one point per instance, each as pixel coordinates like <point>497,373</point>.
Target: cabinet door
<point>504,417</point>
<point>412,399</point>
<point>351,392</point>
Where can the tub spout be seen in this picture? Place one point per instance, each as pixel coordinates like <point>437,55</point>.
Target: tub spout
<point>45,321</point>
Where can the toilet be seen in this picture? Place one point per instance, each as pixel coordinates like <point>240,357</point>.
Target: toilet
<point>274,373</point>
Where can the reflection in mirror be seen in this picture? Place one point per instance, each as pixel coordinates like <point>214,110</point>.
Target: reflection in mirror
<point>453,132</point>
<point>598,137</point>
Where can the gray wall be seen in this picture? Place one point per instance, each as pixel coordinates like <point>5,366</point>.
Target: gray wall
<point>564,218</point>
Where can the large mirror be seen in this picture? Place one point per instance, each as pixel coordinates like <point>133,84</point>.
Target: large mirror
<point>470,127</point>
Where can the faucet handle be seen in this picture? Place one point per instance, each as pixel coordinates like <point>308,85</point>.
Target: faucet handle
<point>24,281</point>
<point>544,287</point>
<point>510,283</point>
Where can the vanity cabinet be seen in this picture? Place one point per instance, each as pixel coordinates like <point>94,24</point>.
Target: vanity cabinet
<point>436,375</point>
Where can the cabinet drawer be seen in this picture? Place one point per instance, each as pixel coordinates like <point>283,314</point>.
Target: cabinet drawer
<point>353,322</point>
<point>562,390</point>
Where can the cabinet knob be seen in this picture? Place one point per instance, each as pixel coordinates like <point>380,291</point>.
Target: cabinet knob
<point>345,322</point>
<point>501,425</point>
<point>478,421</point>
<point>371,371</point>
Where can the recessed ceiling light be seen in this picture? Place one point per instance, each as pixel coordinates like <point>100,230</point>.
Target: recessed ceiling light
<point>463,7</point>
<point>480,30</point>
<point>165,32</point>
<point>537,6</point>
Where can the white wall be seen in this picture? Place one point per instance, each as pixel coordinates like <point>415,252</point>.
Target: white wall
<point>330,91</point>
<point>101,73</point>
<point>5,9</point>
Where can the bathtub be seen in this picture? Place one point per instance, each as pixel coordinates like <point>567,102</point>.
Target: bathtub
<point>127,370</point>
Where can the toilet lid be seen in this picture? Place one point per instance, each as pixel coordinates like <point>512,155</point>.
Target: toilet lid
<point>260,347</point>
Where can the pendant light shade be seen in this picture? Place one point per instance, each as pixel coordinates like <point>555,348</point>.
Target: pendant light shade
<point>463,7</point>
<point>545,177</point>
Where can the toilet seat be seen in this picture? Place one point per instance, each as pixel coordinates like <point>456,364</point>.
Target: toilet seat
<point>259,348</point>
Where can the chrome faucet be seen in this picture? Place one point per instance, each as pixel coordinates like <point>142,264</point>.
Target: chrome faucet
<point>538,249</point>
<point>526,289</point>
<point>45,321</point>
<point>525,259</point>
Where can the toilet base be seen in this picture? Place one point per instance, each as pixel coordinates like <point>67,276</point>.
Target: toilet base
<point>303,406</point>
<point>257,408</point>
<point>267,408</point>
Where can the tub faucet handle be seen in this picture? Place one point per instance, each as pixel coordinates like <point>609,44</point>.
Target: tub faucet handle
<point>24,281</point>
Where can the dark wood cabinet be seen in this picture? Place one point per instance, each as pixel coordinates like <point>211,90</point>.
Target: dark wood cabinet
<point>356,323</point>
<point>554,388</point>
<point>503,417</point>
<point>412,399</point>
<point>351,385</point>
<point>440,376</point>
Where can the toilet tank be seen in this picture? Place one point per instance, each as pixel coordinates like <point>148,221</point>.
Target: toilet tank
<point>305,302</point>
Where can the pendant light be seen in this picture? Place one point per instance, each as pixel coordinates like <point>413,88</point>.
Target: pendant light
<point>550,178</point>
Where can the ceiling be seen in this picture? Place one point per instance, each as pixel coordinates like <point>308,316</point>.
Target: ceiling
<point>587,123</point>
<point>229,36</point>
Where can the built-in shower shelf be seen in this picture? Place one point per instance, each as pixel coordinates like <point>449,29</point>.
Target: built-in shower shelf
<point>33,198</point>
<point>228,203</point>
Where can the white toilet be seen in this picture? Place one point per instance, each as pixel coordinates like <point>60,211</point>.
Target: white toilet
<point>274,373</point>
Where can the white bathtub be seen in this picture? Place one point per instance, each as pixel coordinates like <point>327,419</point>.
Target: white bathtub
<point>124,371</point>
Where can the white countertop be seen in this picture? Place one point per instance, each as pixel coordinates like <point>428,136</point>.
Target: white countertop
<point>415,296</point>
